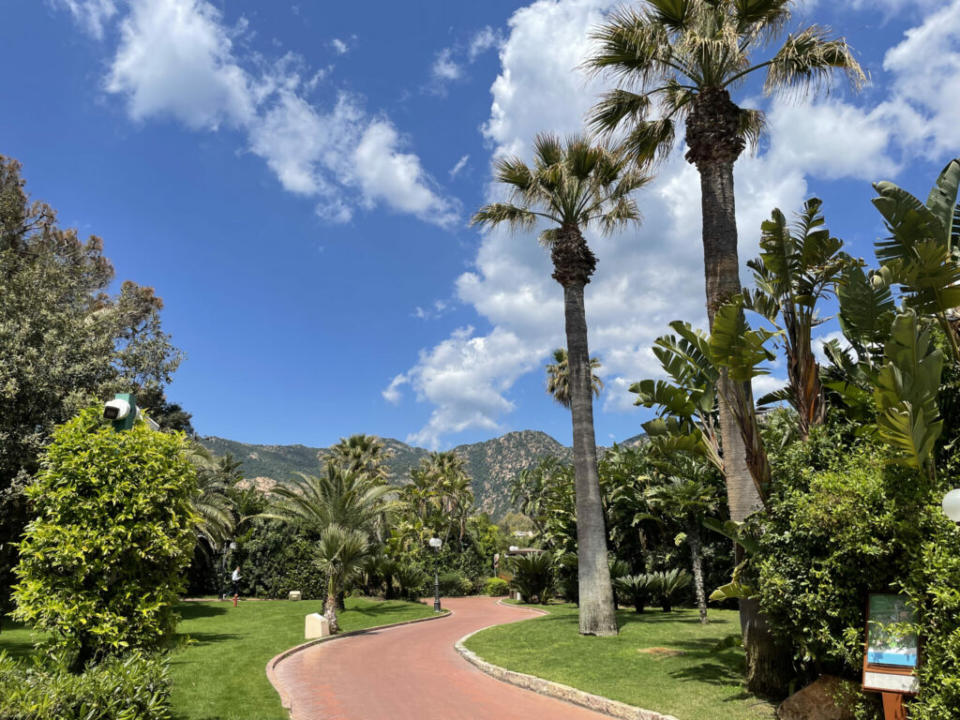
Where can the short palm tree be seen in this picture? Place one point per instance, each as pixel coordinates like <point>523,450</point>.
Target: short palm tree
<point>677,61</point>
<point>364,454</point>
<point>571,186</point>
<point>688,499</point>
<point>340,554</point>
<point>558,377</point>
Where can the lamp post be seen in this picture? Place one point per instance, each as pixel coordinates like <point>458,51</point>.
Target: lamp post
<point>436,543</point>
<point>227,547</point>
<point>951,505</point>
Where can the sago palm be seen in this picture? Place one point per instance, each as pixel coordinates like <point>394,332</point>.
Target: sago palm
<point>677,61</point>
<point>574,185</point>
<point>558,377</point>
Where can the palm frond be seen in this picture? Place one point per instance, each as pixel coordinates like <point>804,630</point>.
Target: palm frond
<point>807,61</point>
<point>515,217</point>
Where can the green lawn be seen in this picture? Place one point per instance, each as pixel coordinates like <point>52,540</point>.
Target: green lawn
<point>218,672</point>
<point>703,682</point>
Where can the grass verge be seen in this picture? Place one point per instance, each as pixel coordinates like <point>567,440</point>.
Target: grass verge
<point>665,662</point>
<point>218,671</point>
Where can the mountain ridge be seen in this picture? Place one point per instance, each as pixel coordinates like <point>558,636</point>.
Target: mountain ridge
<point>491,464</point>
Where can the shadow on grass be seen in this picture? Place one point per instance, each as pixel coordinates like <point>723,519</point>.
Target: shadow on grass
<point>200,638</point>
<point>189,611</point>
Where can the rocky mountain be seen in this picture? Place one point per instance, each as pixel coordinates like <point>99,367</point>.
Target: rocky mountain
<point>492,464</point>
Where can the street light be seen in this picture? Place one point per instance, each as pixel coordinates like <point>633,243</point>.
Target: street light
<point>951,505</point>
<point>436,543</point>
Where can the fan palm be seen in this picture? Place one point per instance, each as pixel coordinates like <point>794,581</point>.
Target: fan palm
<point>340,554</point>
<point>573,185</point>
<point>558,377</point>
<point>364,454</point>
<point>677,60</point>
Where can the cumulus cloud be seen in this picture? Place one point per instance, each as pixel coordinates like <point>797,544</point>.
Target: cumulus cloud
<point>92,15</point>
<point>483,40</point>
<point>178,59</point>
<point>339,46</point>
<point>925,70</point>
<point>646,276</point>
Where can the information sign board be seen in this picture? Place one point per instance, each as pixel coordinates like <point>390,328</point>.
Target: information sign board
<point>892,648</point>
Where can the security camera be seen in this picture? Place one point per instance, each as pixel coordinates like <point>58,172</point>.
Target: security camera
<point>116,409</point>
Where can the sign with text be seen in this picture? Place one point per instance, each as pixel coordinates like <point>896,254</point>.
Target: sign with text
<point>892,648</point>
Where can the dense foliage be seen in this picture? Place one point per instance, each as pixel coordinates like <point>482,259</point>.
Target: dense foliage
<point>64,341</point>
<point>101,564</point>
<point>130,688</point>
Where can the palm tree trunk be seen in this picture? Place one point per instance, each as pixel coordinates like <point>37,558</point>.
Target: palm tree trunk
<point>722,272</point>
<point>330,606</point>
<point>696,559</point>
<point>597,609</point>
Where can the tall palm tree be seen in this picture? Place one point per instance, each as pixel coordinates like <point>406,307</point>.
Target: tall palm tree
<point>677,60</point>
<point>558,377</point>
<point>365,454</point>
<point>573,185</point>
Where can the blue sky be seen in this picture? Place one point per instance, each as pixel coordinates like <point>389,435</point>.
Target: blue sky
<point>295,179</point>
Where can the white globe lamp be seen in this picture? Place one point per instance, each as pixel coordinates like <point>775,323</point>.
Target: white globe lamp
<point>951,505</point>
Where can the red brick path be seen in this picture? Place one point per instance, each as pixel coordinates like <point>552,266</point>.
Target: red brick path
<point>412,672</point>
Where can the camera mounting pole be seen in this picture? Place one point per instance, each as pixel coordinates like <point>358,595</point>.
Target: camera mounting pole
<point>126,422</point>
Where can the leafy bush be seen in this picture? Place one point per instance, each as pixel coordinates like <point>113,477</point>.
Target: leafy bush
<point>533,577</point>
<point>101,565</point>
<point>130,688</point>
<point>455,584</point>
<point>412,581</point>
<point>861,526</point>
<point>667,586</point>
<point>496,587</point>
<point>275,558</point>
<point>634,589</point>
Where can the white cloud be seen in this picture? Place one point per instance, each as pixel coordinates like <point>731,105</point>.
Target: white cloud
<point>386,174</point>
<point>483,40</point>
<point>460,165</point>
<point>92,15</point>
<point>177,59</point>
<point>339,46</point>
<point>925,69</point>
<point>831,139</point>
<point>444,68</point>
<point>763,384</point>
<point>392,392</point>
<point>464,377</point>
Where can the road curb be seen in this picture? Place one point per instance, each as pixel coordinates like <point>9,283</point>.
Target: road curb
<point>597,703</point>
<point>277,659</point>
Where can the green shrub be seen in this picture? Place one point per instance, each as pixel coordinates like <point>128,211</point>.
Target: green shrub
<point>496,587</point>
<point>412,581</point>
<point>666,587</point>
<point>101,564</point>
<point>130,688</point>
<point>634,590</point>
<point>568,578</point>
<point>834,536</point>
<point>275,558</point>
<point>533,577</point>
<point>455,584</point>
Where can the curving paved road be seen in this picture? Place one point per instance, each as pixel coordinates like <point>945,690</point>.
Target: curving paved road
<point>412,672</point>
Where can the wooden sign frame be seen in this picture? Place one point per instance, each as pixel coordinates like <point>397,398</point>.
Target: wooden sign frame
<point>893,681</point>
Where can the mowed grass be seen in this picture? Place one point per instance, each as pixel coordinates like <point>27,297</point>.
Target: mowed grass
<point>221,673</point>
<point>218,670</point>
<point>703,682</point>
